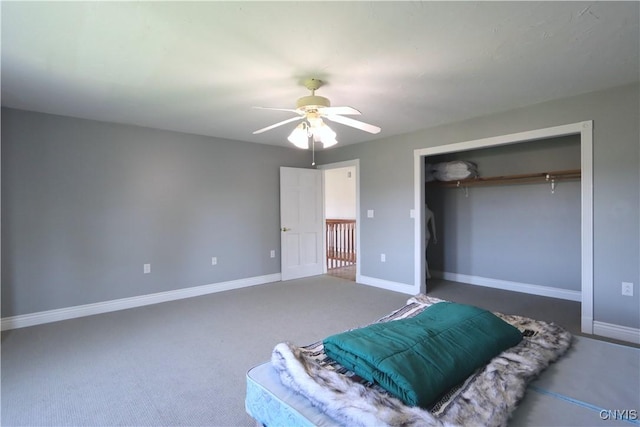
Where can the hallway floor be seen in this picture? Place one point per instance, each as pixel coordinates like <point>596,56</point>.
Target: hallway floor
<point>348,272</point>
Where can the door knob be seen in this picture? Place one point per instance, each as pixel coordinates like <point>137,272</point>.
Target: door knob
<point>285,229</point>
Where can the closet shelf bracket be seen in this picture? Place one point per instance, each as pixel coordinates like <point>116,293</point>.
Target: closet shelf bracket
<point>553,183</point>
<point>465,188</point>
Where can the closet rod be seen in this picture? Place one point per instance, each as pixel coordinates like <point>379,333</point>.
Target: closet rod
<point>511,179</point>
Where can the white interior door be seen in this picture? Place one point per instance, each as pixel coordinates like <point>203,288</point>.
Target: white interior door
<point>301,222</point>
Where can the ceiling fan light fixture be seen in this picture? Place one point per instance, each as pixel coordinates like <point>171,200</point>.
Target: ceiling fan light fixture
<point>324,131</point>
<point>311,110</point>
<point>300,137</point>
<point>329,142</point>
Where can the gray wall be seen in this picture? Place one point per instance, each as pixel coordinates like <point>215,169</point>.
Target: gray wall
<point>85,204</point>
<point>519,233</point>
<point>386,168</point>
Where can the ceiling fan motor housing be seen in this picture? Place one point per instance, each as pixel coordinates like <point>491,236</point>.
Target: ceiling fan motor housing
<point>312,102</point>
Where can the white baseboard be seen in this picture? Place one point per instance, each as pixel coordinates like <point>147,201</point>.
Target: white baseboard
<point>386,284</point>
<point>622,333</point>
<point>32,319</point>
<point>609,330</point>
<point>526,288</point>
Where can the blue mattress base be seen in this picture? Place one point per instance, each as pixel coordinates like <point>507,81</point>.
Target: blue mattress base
<point>270,403</point>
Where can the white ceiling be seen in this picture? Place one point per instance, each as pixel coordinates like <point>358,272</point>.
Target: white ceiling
<point>199,67</point>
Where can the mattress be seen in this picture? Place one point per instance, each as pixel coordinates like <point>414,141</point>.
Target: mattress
<point>585,387</point>
<point>562,395</point>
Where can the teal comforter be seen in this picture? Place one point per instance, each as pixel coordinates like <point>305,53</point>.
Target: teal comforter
<point>419,358</point>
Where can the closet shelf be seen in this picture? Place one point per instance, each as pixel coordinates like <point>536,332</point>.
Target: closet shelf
<point>528,178</point>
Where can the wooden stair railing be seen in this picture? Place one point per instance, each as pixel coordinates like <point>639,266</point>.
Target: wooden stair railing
<point>341,242</point>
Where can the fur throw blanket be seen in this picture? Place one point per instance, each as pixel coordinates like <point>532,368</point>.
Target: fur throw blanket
<point>487,398</point>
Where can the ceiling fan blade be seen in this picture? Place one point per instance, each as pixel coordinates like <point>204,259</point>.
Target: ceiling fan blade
<point>338,110</point>
<point>277,109</point>
<point>284,122</point>
<point>354,123</point>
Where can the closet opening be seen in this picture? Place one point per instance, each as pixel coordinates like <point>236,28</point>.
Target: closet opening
<point>527,227</point>
<point>508,216</point>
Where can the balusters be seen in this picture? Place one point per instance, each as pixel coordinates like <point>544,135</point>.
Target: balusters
<point>341,242</point>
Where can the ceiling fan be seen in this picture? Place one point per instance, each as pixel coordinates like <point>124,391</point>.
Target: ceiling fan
<point>312,109</point>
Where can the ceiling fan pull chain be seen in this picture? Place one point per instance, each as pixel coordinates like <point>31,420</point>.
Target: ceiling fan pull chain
<point>313,151</point>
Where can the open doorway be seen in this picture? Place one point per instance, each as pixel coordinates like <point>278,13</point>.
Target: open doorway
<point>341,219</point>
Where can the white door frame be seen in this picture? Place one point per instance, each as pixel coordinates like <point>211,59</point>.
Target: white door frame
<point>344,164</point>
<point>585,130</point>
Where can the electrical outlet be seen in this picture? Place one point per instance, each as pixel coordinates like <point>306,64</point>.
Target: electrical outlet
<point>146,268</point>
<point>214,260</point>
<point>273,253</point>
<point>627,289</point>
<point>383,258</point>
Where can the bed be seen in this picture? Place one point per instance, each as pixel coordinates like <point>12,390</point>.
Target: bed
<point>301,386</point>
